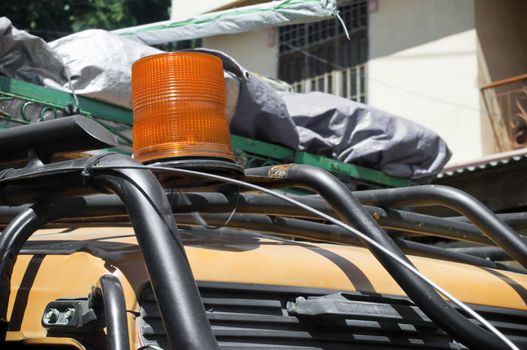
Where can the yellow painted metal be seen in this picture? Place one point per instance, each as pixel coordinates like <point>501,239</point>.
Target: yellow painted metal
<point>38,280</point>
<point>49,342</point>
<point>261,261</point>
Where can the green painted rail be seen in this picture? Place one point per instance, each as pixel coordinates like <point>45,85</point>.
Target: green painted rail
<point>63,100</point>
<point>286,155</point>
<point>252,148</point>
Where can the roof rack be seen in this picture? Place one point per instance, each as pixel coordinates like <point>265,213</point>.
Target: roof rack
<point>19,100</point>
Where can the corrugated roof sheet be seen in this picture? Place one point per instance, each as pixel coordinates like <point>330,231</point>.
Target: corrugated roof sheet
<point>485,163</point>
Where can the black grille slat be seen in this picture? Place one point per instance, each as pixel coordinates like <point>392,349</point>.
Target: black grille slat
<point>322,337</point>
<point>242,302</point>
<point>256,317</point>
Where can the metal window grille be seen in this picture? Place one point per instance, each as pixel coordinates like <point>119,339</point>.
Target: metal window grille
<point>319,57</point>
<point>506,104</point>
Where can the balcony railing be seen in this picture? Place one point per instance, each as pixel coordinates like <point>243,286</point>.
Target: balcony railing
<point>506,104</point>
<point>348,83</point>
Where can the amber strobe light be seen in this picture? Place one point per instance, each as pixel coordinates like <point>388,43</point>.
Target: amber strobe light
<point>178,100</point>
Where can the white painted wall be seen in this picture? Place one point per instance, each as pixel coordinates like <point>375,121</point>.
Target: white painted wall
<point>502,50</point>
<point>424,66</point>
<point>256,51</point>
<point>182,9</point>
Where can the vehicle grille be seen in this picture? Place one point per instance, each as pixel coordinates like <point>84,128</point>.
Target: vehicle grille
<point>256,317</point>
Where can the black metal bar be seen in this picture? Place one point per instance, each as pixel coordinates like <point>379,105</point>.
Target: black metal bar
<point>114,313</point>
<point>175,289</point>
<point>168,268</point>
<point>50,182</point>
<point>430,251</point>
<point>274,225</point>
<point>426,225</point>
<point>456,200</point>
<point>493,253</point>
<point>11,241</point>
<point>100,206</point>
<point>70,134</point>
<point>517,221</point>
<point>293,228</point>
<point>324,233</point>
<point>17,233</point>
<point>346,205</point>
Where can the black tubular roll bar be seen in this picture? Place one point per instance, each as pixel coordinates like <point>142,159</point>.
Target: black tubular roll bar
<point>151,216</point>
<point>108,211</point>
<point>100,206</point>
<point>104,208</point>
<point>492,253</point>
<point>12,239</point>
<point>322,232</point>
<point>456,200</point>
<point>398,220</point>
<point>169,271</point>
<point>516,220</point>
<point>350,210</point>
<point>72,134</point>
<point>115,318</point>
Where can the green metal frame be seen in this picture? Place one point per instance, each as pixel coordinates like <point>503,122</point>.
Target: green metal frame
<point>63,100</point>
<point>271,153</point>
<point>286,155</point>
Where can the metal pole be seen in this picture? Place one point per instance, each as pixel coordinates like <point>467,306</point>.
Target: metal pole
<point>114,313</point>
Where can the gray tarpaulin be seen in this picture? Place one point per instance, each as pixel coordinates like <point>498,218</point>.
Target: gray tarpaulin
<point>27,57</point>
<point>338,128</point>
<point>238,20</point>
<point>97,61</point>
<point>335,127</point>
<point>99,64</point>
<point>356,133</point>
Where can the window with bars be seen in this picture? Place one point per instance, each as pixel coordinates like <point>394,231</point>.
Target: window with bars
<point>318,56</point>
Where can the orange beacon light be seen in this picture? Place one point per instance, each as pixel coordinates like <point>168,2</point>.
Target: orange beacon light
<point>178,101</point>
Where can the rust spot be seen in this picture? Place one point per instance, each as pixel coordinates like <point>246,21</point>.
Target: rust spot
<point>376,215</point>
<point>279,171</point>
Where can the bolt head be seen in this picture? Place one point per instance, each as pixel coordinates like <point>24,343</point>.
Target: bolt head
<point>52,315</point>
<point>70,312</point>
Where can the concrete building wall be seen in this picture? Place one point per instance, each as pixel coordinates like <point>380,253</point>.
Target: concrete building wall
<point>427,60</point>
<point>502,36</point>
<point>182,9</point>
<point>423,66</point>
<point>502,48</point>
<point>256,51</point>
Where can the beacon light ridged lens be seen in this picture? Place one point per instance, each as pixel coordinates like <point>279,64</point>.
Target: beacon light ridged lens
<point>179,102</point>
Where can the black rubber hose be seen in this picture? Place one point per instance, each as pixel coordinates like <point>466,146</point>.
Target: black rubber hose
<point>174,287</point>
<point>350,210</point>
<point>456,200</point>
<point>114,313</point>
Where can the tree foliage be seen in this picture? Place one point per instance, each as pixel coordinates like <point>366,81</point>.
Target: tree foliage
<point>52,19</point>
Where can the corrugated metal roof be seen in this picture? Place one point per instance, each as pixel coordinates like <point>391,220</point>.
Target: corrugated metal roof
<point>490,162</point>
